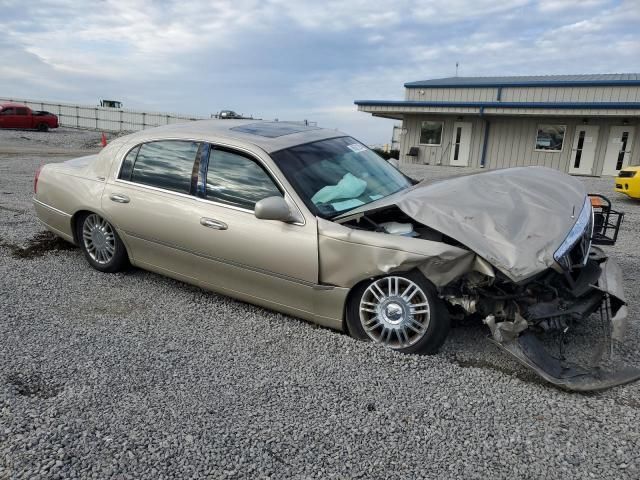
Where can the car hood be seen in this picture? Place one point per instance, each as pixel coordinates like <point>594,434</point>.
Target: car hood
<point>514,218</point>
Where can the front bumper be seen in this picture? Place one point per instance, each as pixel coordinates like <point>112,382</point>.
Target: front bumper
<point>515,338</point>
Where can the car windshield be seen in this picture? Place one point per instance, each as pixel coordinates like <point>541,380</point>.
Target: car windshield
<point>336,175</point>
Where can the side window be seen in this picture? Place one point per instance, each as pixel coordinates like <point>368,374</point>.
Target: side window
<point>165,164</point>
<point>127,164</point>
<point>237,180</point>
<point>21,111</point>
<point>9,111</point>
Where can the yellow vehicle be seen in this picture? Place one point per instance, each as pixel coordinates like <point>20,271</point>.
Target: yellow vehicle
<point>628,181</point>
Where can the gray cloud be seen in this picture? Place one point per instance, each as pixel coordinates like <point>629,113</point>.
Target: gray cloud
<point>294,60</point>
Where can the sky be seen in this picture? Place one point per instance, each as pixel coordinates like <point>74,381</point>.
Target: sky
<point>298,59</point>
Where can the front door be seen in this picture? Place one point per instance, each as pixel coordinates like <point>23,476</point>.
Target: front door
<point>583,151</point>
<point>618,149</point>
<point>260,260</point>
<point>460,144</point>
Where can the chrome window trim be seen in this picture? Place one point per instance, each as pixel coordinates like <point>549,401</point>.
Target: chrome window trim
<point>287,196</point>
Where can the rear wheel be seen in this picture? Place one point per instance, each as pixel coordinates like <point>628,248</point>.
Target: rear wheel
<point>101,244</point>
<point>43,127</point>
<point>402,312</point>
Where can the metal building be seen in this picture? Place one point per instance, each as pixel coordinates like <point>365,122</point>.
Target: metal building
<point>581,124</point>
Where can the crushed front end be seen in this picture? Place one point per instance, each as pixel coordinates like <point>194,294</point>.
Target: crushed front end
<point>531,319</point>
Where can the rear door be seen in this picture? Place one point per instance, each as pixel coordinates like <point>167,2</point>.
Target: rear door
<point>150,200</point>
<point>23,119</point>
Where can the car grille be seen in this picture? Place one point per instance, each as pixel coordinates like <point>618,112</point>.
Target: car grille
<point>626,174</point>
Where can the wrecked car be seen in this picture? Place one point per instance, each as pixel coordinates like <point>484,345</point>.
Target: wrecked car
<point>312,223</point>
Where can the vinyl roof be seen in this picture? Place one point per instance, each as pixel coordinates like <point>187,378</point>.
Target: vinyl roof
<point>604,79</point>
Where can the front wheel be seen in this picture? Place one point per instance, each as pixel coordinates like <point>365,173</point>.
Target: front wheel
<point>43,127</point>
<point>402,312</point>
<point>101,244</point>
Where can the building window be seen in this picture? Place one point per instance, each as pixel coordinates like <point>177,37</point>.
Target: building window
<point>550,138</point>
<point>431,133</point>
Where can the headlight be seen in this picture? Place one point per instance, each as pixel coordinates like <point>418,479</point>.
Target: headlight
<point>574,250</point>
<point>627,174</point>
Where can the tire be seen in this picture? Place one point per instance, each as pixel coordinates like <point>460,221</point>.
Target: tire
<point>400,311</point>
<point>100,243</point>
<point>43,127</point>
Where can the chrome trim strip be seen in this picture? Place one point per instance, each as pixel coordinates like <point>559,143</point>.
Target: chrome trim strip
<point>220,144</point>
<point>60,212</point>
<point>300,281</point>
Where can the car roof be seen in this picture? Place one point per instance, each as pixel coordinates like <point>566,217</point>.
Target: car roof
<point>270,136</point>
<point>12,104</point>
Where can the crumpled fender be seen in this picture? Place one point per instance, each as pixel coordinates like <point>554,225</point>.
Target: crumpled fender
<point>347,256</point>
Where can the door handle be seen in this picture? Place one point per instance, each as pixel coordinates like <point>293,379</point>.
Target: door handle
<point>211,223</point>
<point>119,198</point>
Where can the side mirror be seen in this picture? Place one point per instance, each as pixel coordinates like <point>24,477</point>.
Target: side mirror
<point>273,208</point>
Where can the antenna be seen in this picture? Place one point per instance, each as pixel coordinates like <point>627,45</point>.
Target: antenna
<point>457,68</point>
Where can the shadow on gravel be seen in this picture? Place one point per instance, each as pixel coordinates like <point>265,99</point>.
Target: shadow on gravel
<point>40,244</point>
<point>524,376</point>
<point>33,385</point>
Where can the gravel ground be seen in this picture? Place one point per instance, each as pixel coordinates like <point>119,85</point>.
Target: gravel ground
<point>138,376</point>
<point>65,137</point>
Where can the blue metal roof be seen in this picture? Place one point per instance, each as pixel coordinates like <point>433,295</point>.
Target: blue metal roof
<point>562,105</point>
<point>605,79</point>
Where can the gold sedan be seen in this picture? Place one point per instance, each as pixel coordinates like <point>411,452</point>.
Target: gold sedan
<point>311,222</point>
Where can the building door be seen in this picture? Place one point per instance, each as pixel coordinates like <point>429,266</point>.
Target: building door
<point>460,144</point>
<point>584,150</point>
<point>618,149</point>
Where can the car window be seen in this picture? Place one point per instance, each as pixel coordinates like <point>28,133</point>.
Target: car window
<point>8,111</point>
<point>165,164</point>
<point>127,164</point>
<point>237,180</point>
<point>21,111</point>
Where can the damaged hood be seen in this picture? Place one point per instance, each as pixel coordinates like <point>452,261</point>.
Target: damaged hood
<point>514,218</point>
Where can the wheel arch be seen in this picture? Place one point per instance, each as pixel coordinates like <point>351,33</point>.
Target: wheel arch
<point>86,211</point>
<point>365,281</point>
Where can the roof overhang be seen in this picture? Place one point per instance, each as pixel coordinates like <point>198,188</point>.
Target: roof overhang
<point>397,109</point>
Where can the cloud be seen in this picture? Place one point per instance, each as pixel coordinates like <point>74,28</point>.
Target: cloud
<point>297,60</point>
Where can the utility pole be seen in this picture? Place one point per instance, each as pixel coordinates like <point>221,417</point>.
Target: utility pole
<point>457,69</point>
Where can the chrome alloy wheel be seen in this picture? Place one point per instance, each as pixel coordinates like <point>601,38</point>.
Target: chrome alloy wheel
<point>395,311</point>
<point>99,239</point>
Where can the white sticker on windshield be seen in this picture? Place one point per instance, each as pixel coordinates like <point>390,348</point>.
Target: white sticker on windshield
<point>357,147</point>
<point>347,204</point>
<point>375,197</point>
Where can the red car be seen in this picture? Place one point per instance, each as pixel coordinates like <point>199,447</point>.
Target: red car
<point>16,115</point>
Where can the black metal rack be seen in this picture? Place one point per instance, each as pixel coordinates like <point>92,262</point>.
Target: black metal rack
<point>606,220</point>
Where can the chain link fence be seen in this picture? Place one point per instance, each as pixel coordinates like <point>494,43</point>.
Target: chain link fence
<point>103,118</point>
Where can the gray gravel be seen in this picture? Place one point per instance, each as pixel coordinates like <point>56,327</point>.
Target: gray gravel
<point>137,376</point>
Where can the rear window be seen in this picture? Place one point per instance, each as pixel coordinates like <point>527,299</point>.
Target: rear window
<point>165,164</point>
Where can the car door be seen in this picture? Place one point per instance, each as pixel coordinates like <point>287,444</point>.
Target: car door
<point>23,119</point>
<point>150,200</point>
<point>262,260</point>
<point>8,118</point>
